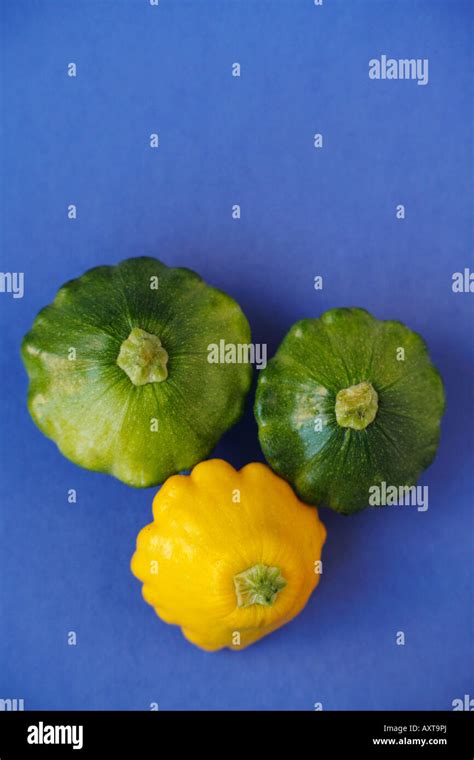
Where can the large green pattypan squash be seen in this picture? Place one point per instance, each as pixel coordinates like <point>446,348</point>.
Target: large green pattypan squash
<point>119,370</point>
<point>347,403</point>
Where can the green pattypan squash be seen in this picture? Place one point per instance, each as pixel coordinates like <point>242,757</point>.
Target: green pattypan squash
<point>349,402</point>
<point>119,370</point>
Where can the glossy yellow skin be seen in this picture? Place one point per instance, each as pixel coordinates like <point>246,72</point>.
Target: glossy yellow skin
<point>202,536</point>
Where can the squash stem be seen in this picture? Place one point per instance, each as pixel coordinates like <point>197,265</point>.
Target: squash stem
<point>357,406</point>
<point>259,584</point>
<point>143,358</point>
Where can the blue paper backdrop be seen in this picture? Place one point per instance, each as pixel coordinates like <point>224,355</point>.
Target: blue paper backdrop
<point>304,212</point>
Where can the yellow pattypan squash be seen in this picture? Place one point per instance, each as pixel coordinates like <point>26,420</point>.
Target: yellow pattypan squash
<point>230,556</point>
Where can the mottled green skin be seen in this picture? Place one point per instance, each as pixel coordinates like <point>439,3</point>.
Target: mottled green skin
<point>91,409</point>
<point>318,358</point>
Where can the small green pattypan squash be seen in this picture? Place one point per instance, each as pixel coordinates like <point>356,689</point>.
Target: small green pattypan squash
<point>119,370</point>
<point>347,403</point>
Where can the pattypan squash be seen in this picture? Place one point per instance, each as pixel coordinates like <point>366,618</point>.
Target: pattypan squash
<point>230,556</point>
<point>119,371</point>
<point>348,403</point>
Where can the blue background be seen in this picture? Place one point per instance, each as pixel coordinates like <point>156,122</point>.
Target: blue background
<point>305,212</point>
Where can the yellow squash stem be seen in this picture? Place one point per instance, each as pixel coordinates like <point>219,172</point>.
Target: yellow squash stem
<point>259,584</point>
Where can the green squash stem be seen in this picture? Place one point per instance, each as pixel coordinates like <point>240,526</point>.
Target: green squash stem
<point>356,407</point>
<point>143,358</point>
